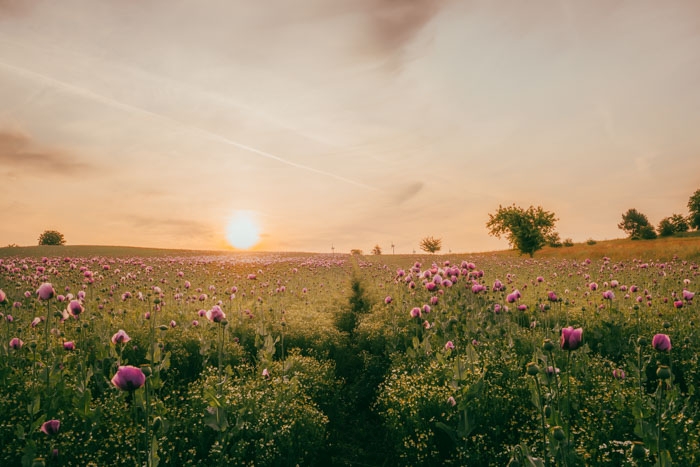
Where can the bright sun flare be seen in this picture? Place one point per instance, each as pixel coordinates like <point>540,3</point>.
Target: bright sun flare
<point>242,231</point>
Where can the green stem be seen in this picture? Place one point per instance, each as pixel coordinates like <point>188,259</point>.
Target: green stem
<point>544,428</point>
<point>658,422</point>
<point>639,369</point>
<point>46,327</point>
<point>148,422</point>
<point>568,398</point>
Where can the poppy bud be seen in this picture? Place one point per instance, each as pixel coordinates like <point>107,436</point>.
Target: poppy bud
<point>663,372</point>
<point>548,345</point>
<point>532,369</point>
<point>638,450</point>
<point>559,434</point>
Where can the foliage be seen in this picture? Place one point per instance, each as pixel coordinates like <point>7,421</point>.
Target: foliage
<point>282,382</point>
<point>377,250</point>
<point>554,240</point>
<point>672,225</point>
<point>694,208</point>
<point>527,230</point>
<point>52,237</point>
<point>636,225</point>
<point>356,252</point>
<point>568,242</point>
<point>431,244</point>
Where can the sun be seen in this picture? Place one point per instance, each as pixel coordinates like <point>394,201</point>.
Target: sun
<point>242,230</point>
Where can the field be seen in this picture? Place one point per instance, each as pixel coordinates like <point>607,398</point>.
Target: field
<point>122,356</point>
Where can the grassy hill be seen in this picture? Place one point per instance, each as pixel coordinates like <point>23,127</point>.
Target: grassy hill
<point>661,249</point>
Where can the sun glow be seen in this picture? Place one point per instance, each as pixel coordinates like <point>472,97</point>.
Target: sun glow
<point>242,230</point>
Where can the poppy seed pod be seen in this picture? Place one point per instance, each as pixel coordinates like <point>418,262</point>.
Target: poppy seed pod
<point>663,372</point>
<point>558,433</point>
<point>532,369</point>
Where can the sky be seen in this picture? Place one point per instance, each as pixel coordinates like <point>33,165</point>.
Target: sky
<point>342,124</point>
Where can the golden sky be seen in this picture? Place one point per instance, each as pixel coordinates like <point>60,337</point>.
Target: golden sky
<point>347,122</point>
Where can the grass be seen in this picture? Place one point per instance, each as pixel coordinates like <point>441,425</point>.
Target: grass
<point>686,246</point>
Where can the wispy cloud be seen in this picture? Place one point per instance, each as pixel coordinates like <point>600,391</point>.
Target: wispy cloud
<point>89,94</point>
<point>396,22</point>
<point>14,7</point>
<point>407,192</point>
<point>177,227</point>
<point>19,154</point>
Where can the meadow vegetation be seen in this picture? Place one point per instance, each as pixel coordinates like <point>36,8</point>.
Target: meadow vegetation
<point>585,355</point>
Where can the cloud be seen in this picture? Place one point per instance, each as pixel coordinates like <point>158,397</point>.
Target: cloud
<point>14,7</point>
<point>407,192</point>
<point>19,153</point>
<point>176,227</point>
<point>397,22</point>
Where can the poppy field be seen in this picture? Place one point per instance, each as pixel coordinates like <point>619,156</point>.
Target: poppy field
<point>184,358</point>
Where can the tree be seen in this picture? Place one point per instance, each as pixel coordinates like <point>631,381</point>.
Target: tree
<point>636,225</point>
<point>671,225</point>
<point>51,237</point>
<point>377,250</point>
<point>694,208</point>
<point>431,244</point>
<point>554,240</point>
<point>527,230</point>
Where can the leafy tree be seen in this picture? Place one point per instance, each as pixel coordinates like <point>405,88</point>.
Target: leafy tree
<point>554,240</point>
<point>527,230</point>
<point>356,251</point>
<point>636,225</point>
<point>671,225</point>
<point>51,237</point>
<point>377,250</point>
<point>694,208</point>
<point>431,244</point>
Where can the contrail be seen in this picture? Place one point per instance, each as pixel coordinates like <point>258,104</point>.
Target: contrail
<point>210,134</point>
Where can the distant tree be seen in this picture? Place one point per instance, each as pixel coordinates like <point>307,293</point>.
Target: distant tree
<point>51,237</point>
<point>431,244</point>
<point>356,251</point>
<point>680,223</point>
<point>666,228</point>
<point>636,225</point>
<point>568,242</point>
<point>377,250</point>
<point>671,225</point>
<point>694,208</point>
<point>527,230</point>
<point>554,240</point>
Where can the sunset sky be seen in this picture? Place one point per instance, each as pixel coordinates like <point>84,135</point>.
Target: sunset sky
<point>342,122</point>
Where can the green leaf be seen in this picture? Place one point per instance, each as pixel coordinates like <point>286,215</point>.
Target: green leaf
<point>34,406</point>
<point>153,454</point>
<point>451,432</point>
<point>664,459</point>
<point>215,418</point>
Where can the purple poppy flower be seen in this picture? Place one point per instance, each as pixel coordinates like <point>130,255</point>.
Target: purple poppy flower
<point>661,342</point>
<point>128,378</point>
<point>50,427</point>
<point>571,338</point>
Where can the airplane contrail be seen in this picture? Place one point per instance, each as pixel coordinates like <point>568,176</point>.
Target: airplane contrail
<point>210,134</point>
